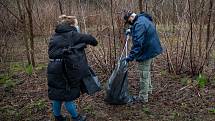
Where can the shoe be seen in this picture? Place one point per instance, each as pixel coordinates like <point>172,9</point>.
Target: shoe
<point>60,118</point>
<point>80,118</point>
<point>132,100</point>
<point>140,99</point>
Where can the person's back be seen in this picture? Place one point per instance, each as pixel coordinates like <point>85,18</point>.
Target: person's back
<point>144,31</point>
<point>63,84</point>
<point>67,36</point>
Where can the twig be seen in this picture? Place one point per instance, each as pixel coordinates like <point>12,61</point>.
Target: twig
<point>11,12</point>
<point>184,88</point>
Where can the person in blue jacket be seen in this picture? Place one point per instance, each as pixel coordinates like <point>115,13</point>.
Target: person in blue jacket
<point>146,46</point>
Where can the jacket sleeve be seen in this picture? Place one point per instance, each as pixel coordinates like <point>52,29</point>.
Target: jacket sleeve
<point>138,39</point>
<point>88,39</point>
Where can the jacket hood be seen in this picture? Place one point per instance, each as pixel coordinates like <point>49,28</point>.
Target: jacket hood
<point>62,28</point>
<point>149,17</point>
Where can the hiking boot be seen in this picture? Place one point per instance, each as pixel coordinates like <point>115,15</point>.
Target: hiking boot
<point>141,99</point>
<point>132,100</point>
<point>80,118</point>
<point>60,118</point>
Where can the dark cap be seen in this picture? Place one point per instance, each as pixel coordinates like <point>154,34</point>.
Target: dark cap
<point>127,15</point>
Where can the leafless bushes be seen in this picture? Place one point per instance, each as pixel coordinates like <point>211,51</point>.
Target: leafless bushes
<point>188,37</point>
<point>186,27</point>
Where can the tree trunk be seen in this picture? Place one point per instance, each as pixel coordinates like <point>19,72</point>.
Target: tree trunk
<point>61,7</point>
<point>141,5</point>
<point>25,30</point>
<point>208,28</point>
<point>207,48</point>
<point>114,39</point>
<point>191,39</point>
<point>28,6</point>
<point>146,5</point>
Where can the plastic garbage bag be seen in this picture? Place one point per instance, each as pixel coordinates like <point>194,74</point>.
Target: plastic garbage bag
<point>117,88</point>
<point>91,83</point>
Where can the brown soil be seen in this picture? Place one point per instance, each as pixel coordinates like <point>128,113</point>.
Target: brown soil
<point>170,100</point>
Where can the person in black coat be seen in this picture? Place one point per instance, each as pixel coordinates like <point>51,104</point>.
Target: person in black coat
<point>65,75</point>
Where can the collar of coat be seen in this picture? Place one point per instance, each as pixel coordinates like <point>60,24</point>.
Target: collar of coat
<point>62,28</point>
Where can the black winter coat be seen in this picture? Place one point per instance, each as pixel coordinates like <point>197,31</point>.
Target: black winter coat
<point>58,79</point>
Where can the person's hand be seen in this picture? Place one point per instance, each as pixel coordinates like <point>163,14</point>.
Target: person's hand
<point>66,51</point>
<point>126,59</point>
<point>128,32</point>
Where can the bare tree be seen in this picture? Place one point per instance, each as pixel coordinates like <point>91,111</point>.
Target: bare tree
<point>28,7</point>
<point>140,5</point>
<point>25,30</point>
<point>113,29</point>
<point>60,6</point>
<point>187,33</point>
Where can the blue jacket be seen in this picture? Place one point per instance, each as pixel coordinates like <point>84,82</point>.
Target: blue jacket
<point>146,43</point>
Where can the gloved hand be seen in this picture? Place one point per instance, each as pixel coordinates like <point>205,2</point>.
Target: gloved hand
<point>66,51</point>
<point>126,59</point>
<point>128,32</point>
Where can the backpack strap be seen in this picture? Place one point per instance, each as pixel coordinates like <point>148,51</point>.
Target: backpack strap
<point>78,46</point>
<point>65,75</point>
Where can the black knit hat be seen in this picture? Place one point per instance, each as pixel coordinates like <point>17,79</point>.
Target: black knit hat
<point>127,15</point>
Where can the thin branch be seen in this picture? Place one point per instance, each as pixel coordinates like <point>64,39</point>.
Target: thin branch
<point>11,12</point>
<point>112,20</point>
<point>61,7</point>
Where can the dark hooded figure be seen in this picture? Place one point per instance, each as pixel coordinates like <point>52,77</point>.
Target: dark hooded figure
<point>146,46</point>
<point>67,66</point>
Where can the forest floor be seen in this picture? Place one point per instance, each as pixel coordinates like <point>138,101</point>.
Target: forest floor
<point>23,97</point>
<point>171,100</point>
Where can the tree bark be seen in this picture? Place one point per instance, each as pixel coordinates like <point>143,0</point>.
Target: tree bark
<point>140,5</point>
<point>61,7</point>
<point>113,28</point>
<point>207,48</point>
<point>25,30</point>
<point>28,6</point>
<point>191,39</point>
<point>5,6</point>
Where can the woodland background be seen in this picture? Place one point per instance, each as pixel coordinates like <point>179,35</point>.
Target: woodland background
<point>183,76</point>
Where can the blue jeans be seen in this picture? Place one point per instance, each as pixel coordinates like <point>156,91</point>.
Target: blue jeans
<point>70,107</point>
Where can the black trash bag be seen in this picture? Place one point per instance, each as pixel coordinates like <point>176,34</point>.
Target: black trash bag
<point>91,84</point>
<point>117,88</point>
